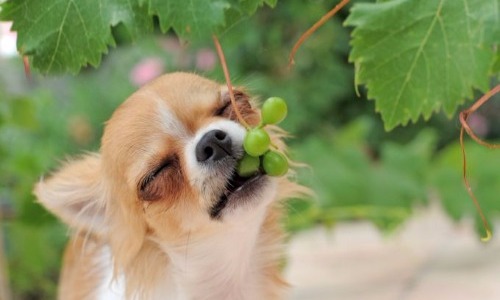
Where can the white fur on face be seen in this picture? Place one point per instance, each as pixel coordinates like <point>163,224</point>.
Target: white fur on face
<point>205,178</point>
<point>171,125</point>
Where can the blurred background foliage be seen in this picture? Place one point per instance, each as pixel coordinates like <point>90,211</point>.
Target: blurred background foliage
<point>357,170</point>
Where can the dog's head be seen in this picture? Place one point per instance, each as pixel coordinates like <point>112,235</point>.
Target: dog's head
<point>166,169</point>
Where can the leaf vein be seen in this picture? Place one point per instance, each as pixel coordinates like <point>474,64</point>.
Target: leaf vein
<point>447,53</point>
<point>85,30</point>
<point>60,32</point>
<point>396,32</point>
<point>414,61</point>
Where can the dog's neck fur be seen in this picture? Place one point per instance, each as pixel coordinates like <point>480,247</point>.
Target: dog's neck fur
<point>229,265</point>
<point>221,267</point>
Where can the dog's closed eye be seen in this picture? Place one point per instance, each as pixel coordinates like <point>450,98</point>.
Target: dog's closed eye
<point>160,179</point>
<point>226,110</point>
<point>222,111</point>
<point>154,174</point>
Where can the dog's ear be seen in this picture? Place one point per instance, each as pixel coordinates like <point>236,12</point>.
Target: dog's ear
<point>76,194</point>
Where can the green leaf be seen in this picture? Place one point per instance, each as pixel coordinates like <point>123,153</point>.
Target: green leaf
<point>251,6</point>
<point>416,57</point>
<point>271,3</point>
<point>63,36</point>
<point>190,18</point>
<point>496,65</point>
<point>131,14</point>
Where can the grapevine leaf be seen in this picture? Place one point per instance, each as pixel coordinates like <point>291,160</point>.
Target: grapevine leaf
<point>63,36</point>
<point>496,65</point>
<point>251,6</point>
<point>416,57</point>
<point>132,14</point>
<point>190,18</point>
<point>271,3</point>
<point>240,9</point>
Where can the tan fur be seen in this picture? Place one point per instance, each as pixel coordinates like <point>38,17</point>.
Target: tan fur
<point>80,273</point>
<point>100,195</point>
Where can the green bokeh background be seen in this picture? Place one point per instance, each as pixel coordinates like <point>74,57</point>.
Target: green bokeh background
<point>357,170</point>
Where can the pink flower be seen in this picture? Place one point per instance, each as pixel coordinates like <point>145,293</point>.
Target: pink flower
<point>478,124</point>
<point>146,70</point>
<point>171,45</point>
<point>205,59</point>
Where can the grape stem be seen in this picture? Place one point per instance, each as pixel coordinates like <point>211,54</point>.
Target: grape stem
<point>312,29</point>
<point>26,63</point>
<point>223,63</point>
<point>27,70</point>
<point>464,115</point>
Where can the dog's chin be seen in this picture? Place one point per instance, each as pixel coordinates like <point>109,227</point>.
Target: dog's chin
<point>239,192</point>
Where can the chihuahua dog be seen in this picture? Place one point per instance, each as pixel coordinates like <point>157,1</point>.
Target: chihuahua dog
<point>160,213</point>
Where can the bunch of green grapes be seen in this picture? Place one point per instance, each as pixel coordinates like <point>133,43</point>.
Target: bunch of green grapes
<point>257,143</point>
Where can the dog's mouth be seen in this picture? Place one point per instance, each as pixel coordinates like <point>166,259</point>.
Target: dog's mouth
<point>238,190</point>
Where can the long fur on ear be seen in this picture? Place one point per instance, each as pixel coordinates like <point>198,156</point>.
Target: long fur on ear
<point>76,194</point>
<point>79,194</point>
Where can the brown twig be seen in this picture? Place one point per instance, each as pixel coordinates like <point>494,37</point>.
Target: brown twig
<point>27,69</point>
<point>313,28</point>
<point>464,115</point>
<point>222,59</point>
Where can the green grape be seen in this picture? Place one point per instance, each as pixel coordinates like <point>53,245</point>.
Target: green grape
<point>248,165</point>
<point>273,110</point>
<point>256,142</point>
<point>275,163</point>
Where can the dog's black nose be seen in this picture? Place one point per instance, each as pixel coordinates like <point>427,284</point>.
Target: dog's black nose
<point>213,146</point>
